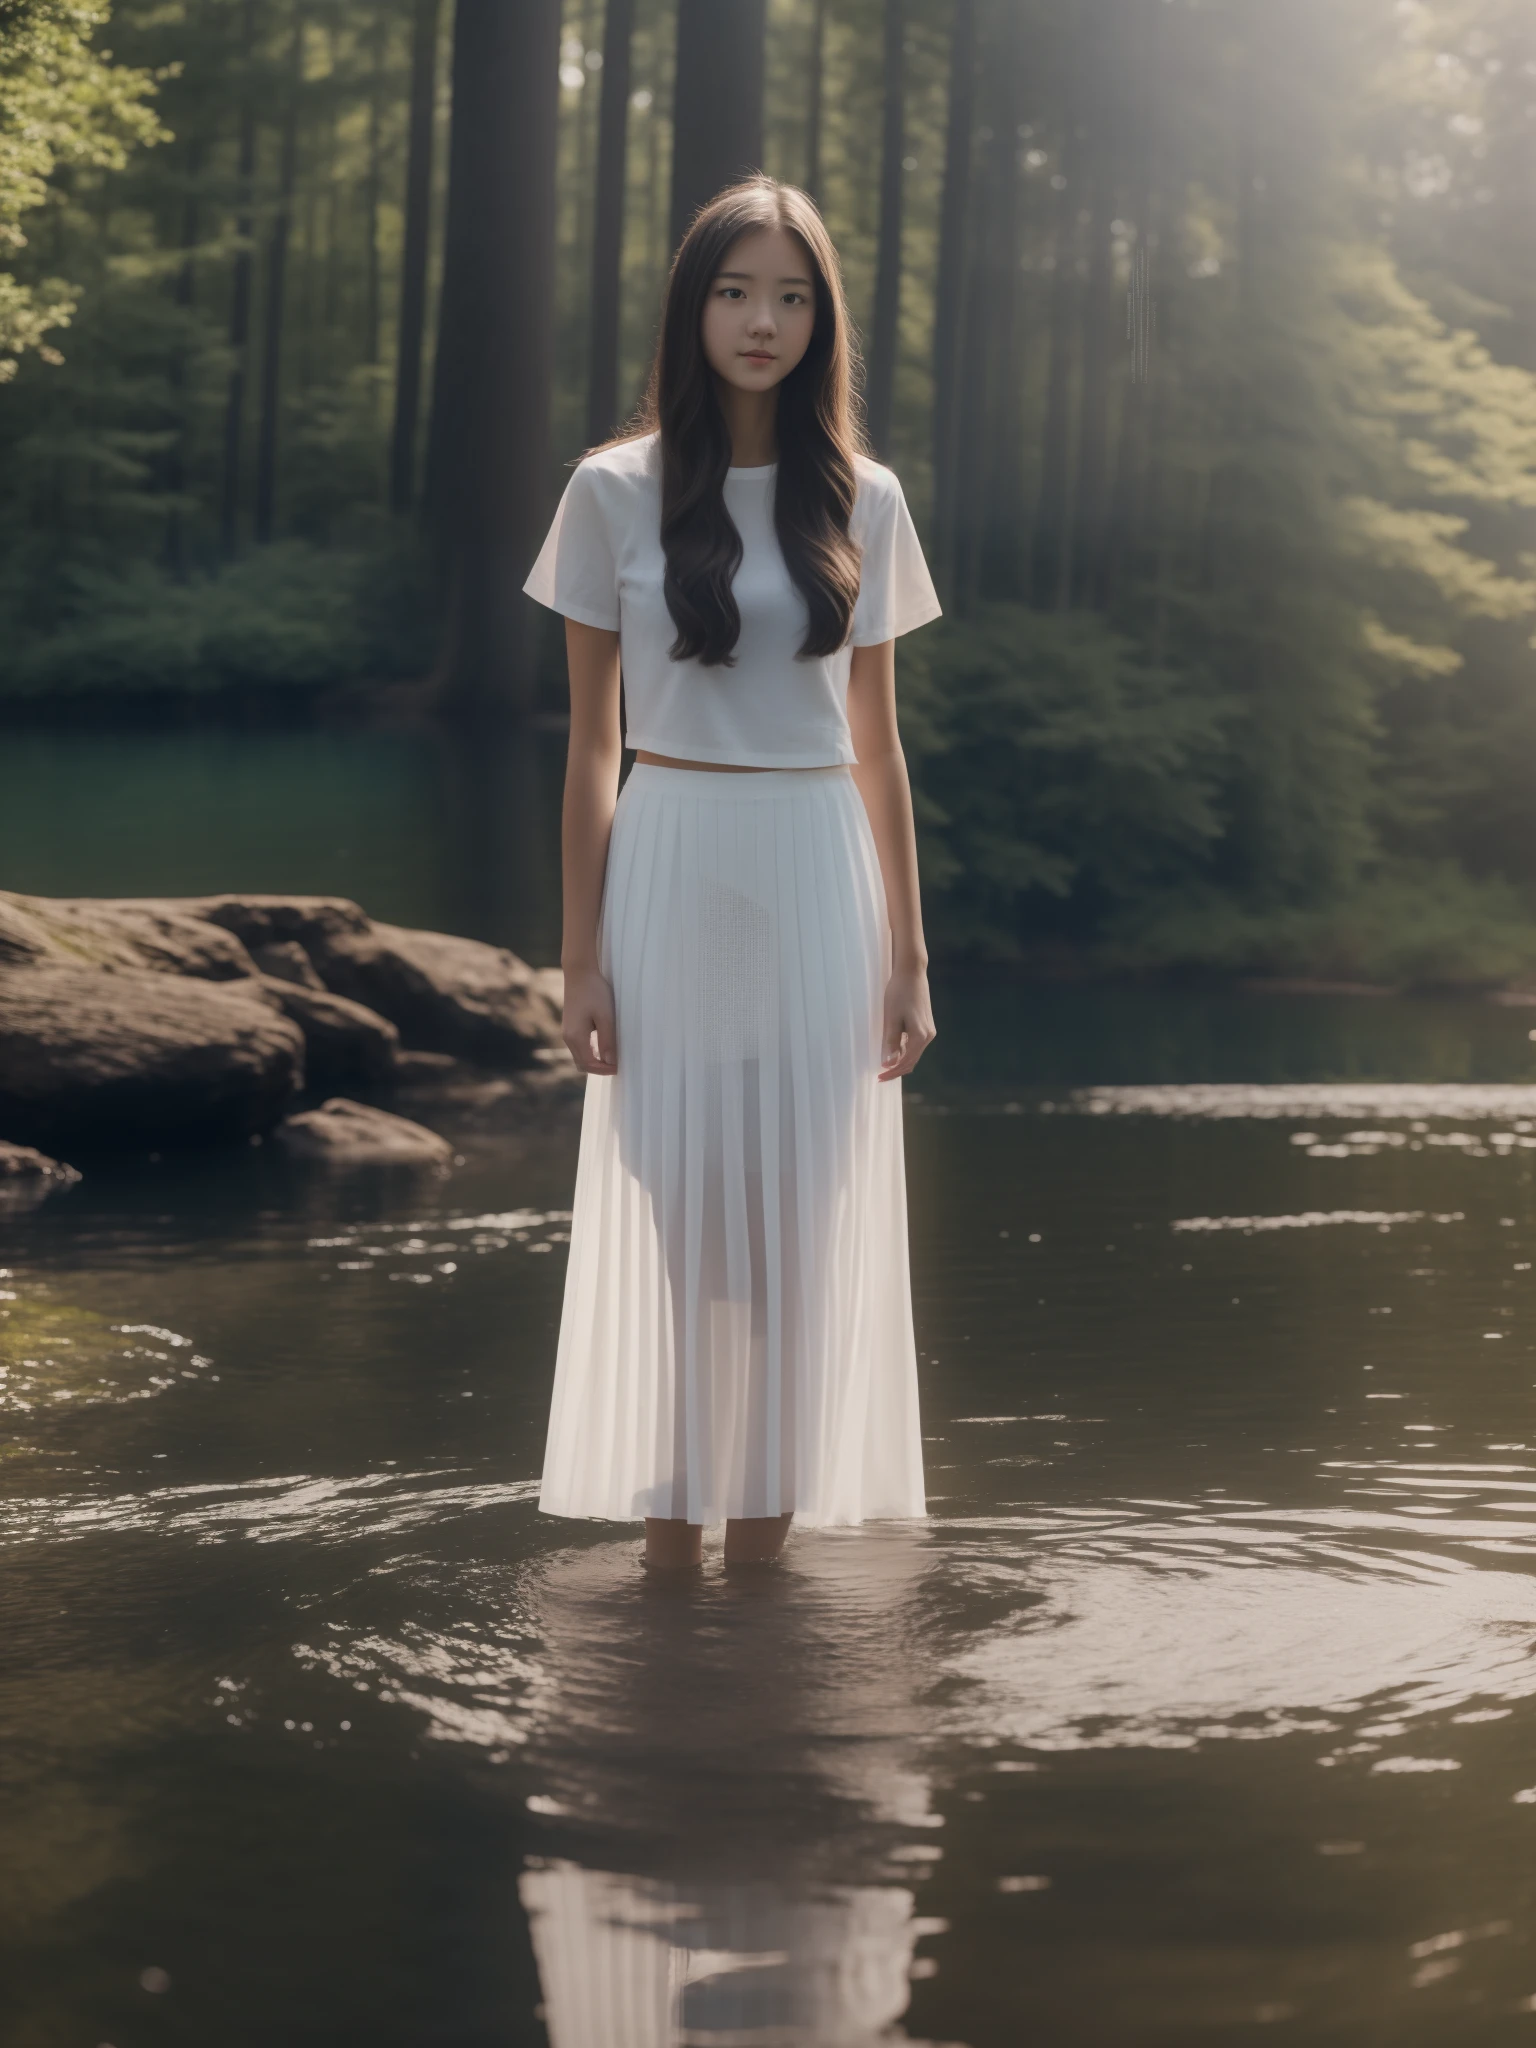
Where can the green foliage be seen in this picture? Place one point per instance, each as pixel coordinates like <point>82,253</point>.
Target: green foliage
<point>291,619</point>
<point>1054,765</point>
<point>62,103</point>
<point>1273,709</point>
<point>1416,924</point>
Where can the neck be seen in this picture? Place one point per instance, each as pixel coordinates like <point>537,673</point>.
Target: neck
<point>752,420</point>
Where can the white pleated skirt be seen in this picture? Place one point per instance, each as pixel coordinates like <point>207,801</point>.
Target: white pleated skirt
<point>736,1336</point>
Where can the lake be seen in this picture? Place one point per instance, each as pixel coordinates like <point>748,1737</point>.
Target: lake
<point>1203,1703</point>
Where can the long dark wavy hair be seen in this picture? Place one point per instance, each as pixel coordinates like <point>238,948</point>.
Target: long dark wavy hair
<point>819,433</point>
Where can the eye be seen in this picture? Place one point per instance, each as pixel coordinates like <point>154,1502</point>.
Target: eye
<point>796,298</point>
<point>727,289</point>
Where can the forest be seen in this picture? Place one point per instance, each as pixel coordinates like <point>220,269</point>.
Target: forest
<point>1202,334</point>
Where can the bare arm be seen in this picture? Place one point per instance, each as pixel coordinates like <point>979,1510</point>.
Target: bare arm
<point>586,820</point>
<point>881,776</point>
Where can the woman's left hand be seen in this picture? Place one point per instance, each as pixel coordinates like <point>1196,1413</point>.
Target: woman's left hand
<point>909,1027</point>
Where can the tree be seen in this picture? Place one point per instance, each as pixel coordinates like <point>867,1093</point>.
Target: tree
<point>1001,542</point>
<point>815,107</point>
<point>488,459</point>
<point>608,224</point>
<point>1091,500</point>
<point>413,265</point>
<point>717,102</point>
<point>61,103</point>
<point>884,331</point>
<point>277,290</point>
<point>950,283</point>
<point>1053,518</point>
<point>240,287</point>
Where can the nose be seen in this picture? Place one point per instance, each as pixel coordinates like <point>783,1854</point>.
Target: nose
<point>762,320</point>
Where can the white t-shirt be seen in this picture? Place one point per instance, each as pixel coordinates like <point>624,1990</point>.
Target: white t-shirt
<point>602,564</point>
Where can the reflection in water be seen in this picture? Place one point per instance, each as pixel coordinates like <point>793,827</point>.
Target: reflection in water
<point>631,1962</point>
<point>675,1895</point>
<point>734,1925</point>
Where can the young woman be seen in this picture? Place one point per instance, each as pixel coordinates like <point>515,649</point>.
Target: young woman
<point>745,972</point>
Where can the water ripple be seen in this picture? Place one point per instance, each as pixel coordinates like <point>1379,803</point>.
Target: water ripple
<point>1149,1629</point>
<point>293,1508</point>
<point>1393,1101</point>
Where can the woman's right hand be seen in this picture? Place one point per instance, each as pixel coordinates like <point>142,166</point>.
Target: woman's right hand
<point>589,1016</point>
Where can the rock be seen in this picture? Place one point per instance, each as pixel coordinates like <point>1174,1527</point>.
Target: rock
<point>344,1043</point>
<point>286,960</point>
<point>444,994</point>
<point>426,1069</point>
<point>121,932</point>
<point>23,941</point>
<point>27,1175</point>
<point>346,1133</point>
<point>130,1057</point>
<point>112,1030</point>
<point>312,921</point>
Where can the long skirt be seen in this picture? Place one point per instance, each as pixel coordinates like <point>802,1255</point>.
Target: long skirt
<point>736,1337</point>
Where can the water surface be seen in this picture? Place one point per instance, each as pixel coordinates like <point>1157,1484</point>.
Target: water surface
<point>1205,1700</point>
<point>1203,1703</point>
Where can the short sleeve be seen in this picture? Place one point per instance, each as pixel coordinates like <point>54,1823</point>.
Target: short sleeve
<point>576,572</point>
<point>896,592</point>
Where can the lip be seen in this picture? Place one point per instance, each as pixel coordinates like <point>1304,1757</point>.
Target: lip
<point>758,355</point>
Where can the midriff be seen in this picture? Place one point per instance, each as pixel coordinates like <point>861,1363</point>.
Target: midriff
<point>715,767</point>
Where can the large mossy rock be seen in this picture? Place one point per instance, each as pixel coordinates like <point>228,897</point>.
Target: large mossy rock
<point>111,1057</point>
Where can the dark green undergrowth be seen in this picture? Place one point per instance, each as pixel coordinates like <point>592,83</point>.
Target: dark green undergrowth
<point>1076,800</point>
<point>292,618</point>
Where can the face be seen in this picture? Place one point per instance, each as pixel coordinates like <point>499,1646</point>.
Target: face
<point>760,311</point>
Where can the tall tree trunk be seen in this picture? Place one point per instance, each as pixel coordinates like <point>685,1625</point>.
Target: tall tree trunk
<point>655,183</point>
<point>277,293</point>
<point>1226,475</point>
<point>608,221</point>
<point>885,328</point>
<point>1155,537</point>
<point>333,191</point>
<point>1053,532</point>
<point>1093,413</point>
<point>306,265</point>
<point>717,102</point>
<point>489,453</point>
<point>1001,565</point>
<point>1128,493</point>
<point>949,289</point>
<point>414,255</point>
<point>374,191</point>
<point>183,293</point>
<point>815,99</point>
<point>973,426</point>
<point>240,295</point>
<point>576,238</point>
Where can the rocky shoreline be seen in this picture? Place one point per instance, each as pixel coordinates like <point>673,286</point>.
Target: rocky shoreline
<point>130,1023</point>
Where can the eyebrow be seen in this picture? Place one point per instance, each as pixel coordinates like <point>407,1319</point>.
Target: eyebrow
<point>752,273</point>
